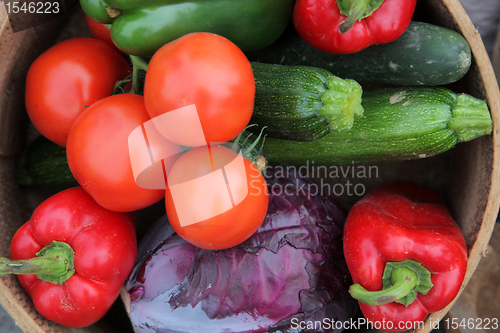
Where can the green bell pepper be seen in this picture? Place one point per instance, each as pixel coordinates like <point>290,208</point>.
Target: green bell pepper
<point>140,27</point>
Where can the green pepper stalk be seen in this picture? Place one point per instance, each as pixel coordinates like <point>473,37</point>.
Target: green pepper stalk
<point>401,282</point>
<point>54,263</point>
<point>356,10</point>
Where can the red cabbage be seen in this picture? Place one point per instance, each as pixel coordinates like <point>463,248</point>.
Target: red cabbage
<point>290,272</point>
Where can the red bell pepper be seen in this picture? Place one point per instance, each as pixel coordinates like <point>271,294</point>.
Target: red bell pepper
<point>406,255</point>
<point>349,26</point>
<point>73,257</point>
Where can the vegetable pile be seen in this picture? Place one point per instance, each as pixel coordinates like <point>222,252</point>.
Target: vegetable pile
<point>291,270</point>
<point>201,106</point>
<point>73,256</point>
<point>414,257</point>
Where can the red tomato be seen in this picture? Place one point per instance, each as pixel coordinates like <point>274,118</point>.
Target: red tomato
<point>67,78</point>
<point>206,70</point>
<point>100,31</point>
<point>215,198</point>
<point>98,153</point>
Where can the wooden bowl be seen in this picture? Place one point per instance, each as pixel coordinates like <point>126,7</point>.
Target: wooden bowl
<point>467,176</point>
<point>479,305</point>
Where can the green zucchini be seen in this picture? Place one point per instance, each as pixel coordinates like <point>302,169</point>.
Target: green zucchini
<point>425,54</point>
<point>44,164</point>
<point>399,123</point>
<point>303,103</point>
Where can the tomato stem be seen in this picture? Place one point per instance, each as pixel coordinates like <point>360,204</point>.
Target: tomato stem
<point>254,144</point>
<point>137,64</point>
<point>249,151</point>
<point>236,143</point>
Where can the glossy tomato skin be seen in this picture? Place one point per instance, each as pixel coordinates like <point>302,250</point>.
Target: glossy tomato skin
<point>66,79</point>
<point>231,227</point>
<point>206,70</point>
<point>98,153</point>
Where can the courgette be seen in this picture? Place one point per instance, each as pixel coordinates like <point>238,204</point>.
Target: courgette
<point>399,123</point>
<point>44,164</point>
<point>425,54</point>
<point>303,103</point>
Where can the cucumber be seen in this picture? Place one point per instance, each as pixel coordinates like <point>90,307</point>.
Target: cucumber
<point>425,54</point>
<point>399,123</point>
<point>44,164</point>
<point>303,103</point>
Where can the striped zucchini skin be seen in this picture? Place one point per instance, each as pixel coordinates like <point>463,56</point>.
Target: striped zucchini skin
<point>303,103</point>
<point>398,124</point>
<point>44,164</point>
<point>288,107</point>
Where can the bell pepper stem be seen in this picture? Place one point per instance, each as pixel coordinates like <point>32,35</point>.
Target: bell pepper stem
<point>404,282</point>
<point>356,10</point>
<point>54,263</point>
<point>401,280</point>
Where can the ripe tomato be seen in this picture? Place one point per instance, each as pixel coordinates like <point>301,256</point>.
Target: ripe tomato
<point>206,70</point>
<point>67,78</point>
<point>215,198</point>
<point>100,31</point>
<point>98,153</point>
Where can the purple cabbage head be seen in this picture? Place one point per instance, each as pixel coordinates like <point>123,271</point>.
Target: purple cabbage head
<point>288,276</point>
